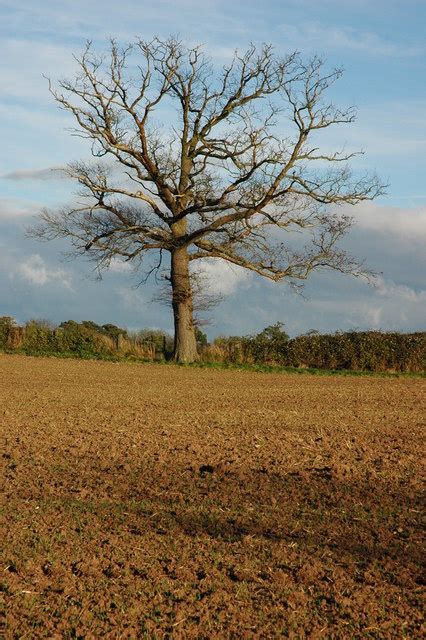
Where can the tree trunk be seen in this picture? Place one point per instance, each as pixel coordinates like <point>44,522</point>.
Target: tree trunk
<point>185,345</point>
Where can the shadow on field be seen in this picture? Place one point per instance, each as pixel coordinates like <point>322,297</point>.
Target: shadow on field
<point>310,508</point>
<point>315,508</point>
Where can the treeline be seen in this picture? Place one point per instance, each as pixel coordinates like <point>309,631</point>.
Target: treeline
<point>374,351</point>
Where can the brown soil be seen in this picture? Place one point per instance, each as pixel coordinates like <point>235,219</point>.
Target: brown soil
<point>149,501</point>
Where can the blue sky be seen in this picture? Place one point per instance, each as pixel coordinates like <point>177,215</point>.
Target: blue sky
<point>382,48</point>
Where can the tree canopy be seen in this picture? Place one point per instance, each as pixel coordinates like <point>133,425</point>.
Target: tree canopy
<point>237,166</point>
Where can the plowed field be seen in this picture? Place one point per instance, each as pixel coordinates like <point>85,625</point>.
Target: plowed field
<point>152,501</point>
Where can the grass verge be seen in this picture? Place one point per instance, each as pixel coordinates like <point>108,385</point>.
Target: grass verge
<point>260,368</point>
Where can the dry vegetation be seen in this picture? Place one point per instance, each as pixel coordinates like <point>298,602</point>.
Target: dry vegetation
<point>156,501</point>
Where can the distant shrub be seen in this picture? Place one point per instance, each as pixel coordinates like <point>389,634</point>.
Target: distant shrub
<point>82,339</point>
<point>155,342</point>
<point>70,337</point>
<point>270,345</point>
<point>7,323</point>
<point>374,351</point>
<point>360,350</point>
<point>267,347</point>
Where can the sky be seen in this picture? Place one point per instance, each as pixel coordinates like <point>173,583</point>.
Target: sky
<point>382,48</point>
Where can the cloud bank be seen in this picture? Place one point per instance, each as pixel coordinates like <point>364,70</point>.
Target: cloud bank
<point>35,271</point>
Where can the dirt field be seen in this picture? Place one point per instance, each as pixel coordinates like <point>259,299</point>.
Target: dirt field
<point>149,501</point>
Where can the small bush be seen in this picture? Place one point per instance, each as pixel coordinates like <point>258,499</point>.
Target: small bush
<point>7,324</point>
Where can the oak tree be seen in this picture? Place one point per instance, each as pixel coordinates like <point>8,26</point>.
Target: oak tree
<point>235,168</point>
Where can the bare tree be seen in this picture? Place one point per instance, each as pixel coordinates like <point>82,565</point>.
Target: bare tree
<point>236,169</point>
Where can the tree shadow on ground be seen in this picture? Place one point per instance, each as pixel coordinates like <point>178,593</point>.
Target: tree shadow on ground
<point>366,520</point>
<point>318,508</point>
<point>362,517</point>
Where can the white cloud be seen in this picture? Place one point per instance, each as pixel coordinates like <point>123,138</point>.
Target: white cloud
<point>373,316</point>
<point>336,302</point>
<point>407,225</point>
<point>393,314</point>
<point>81,20</point>
<point>220,277</point>
<point>401,292</point>
<point>388,307</point>
<point>131,298</point>
<point>320,37</point>
<point>13,208</point>
<point>49,173</point>
<point>35,271</point>
<point>119,266</point>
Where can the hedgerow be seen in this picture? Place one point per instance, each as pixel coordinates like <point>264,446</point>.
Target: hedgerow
<point>372,351</point>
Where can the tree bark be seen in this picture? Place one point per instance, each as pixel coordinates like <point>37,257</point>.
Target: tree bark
<point>185,345</point>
